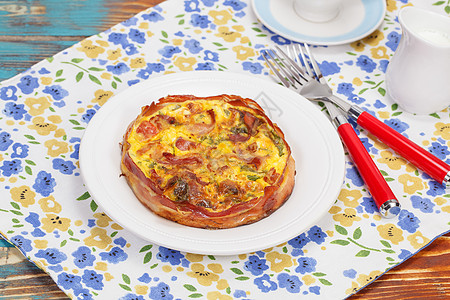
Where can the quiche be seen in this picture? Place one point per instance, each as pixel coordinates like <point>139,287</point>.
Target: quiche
<point>209,162</point>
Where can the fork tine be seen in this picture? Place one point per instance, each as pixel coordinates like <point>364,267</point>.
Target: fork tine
<point>274,69</point>
<point>294,66</point>
<point>306,61</point>
<point>292,52</point>
<point>315,65</point>
<point>284,68</point>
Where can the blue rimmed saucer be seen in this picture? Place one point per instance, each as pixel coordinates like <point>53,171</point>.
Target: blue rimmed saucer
<point>356,19</point>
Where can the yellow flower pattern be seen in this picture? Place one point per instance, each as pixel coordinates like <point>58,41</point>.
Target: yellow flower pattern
<point>410,183</point>
<point>374,38</point>
<point>391,5</point>
<point>41,126</point>
<point>443,130</point>
<point>220,17</point>
<point>358,46</point>
<point>98,238</point>
<point>37,106</point>
<point>102,219</point>
<point>215,295</point>
<point>228,35</point>
<point>278,261</point>
<point>185,63</point>
<point>24,195</point>
<point>46,80</point>
<point>114,54</point>
<point>347,218</point>
<point>56,148</point>
<point>394,162</point>
<point>350,197</point>
<point>101,96</point>
<point>137,63</point>
<point>353,289</point>
<point>54,222</point>
<point>379,52</point>
<point>203,276</point>
<point>91,50</point>
<point>243,53</point>
<point>417,240</point>
<point>365,279</point>
<point>49,204</point>
<point>391,232</point>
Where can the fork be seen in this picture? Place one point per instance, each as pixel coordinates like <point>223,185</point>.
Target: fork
<point>422,159</point>
<point>304,81</point>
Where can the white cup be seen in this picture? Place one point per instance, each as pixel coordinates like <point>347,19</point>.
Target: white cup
<point>318,11</point>
<point>418,75</point>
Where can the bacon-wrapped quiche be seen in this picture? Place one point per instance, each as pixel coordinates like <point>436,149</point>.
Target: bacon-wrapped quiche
<point>209,162</point>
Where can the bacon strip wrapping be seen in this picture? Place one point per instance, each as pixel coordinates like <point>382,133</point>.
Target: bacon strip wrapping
<point>175,190</point>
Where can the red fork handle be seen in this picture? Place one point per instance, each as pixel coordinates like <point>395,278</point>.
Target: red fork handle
<point>424,160</point>
<point>381,193</point>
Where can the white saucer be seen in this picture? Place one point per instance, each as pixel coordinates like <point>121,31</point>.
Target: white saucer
<point>356,19</point>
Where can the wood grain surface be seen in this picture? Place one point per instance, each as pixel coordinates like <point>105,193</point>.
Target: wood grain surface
<point>32,30</point>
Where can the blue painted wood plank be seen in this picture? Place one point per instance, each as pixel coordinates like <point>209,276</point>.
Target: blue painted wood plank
<point>4,243</point>
<point>52,17</point>
<point>18,268</point>
<point>58,24</point>
<point>26,281</point>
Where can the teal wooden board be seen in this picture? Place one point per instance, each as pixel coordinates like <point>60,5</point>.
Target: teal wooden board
<point>31,31</point>
<point>52,17</point>
<point>4,243</point>
<point>18,268</point>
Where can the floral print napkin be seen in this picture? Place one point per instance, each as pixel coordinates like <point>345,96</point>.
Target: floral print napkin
<point>49,215</point>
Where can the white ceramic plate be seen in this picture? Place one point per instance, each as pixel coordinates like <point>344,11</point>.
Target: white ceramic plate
<point>356,19</point>
<point>316,148</point>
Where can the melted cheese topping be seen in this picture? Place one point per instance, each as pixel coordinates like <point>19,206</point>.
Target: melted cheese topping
<point>233,160</point>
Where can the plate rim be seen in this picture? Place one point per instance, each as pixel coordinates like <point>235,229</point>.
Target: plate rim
<point>202,75</point>
<point>320,40</point>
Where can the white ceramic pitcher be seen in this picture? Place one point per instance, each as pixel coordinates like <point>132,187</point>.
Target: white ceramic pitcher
<point>418,75</point>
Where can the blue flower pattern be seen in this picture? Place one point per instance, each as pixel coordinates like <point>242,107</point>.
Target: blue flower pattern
<point>8,93</point>
<point>114,256</point>
<point>44,183</point>
<point>289,282</point>
<point>5,140</point>
<point>265,284</point>
<point>11,167</point>
<point>52,255</point>
<point>56,91</point>
<point>306,265</point>
<point>174,257</point>
<point>28,84</point>
<point>14,110</point>
<point>255,265</point>
<point>83,257</point>
<point>23,243</point>
<point>92,279</point>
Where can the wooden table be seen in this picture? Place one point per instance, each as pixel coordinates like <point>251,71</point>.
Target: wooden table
<point>31,31</point>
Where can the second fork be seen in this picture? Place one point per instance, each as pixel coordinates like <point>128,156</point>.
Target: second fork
<point>303,78</point>
<point>424,160</point>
